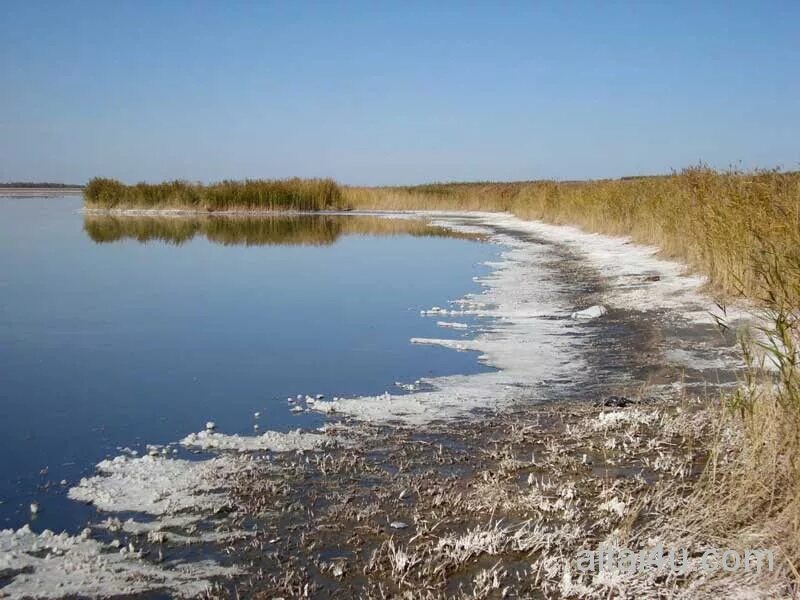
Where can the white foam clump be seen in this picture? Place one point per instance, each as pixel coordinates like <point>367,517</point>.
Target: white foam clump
<point>174,493</point>
<point>49,565</point>
<point>273,441</point>
<point>593,312</point>
<point>460,345</point>
<point>615,506</point>
<point>452,325</point>
<point>163,531</point>
<point>615,419</point>
<point>409,387</point>
<point>438,310</point>
<point>158,486</point>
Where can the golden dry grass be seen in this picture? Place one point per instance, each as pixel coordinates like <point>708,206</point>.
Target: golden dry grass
<point>252,194</point>
<point>719,223</point>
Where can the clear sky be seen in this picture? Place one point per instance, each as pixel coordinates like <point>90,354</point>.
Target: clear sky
<point>400,92</point>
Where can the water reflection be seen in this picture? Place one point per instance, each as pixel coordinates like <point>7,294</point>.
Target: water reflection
<point>112,345</point>
<point>305,230</point>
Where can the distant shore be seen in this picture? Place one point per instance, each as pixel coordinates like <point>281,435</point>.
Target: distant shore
<point>39,192</point>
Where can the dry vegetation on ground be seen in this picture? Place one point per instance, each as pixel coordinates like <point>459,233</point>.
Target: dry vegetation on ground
<point>499,508</point>
<point>742,230</point>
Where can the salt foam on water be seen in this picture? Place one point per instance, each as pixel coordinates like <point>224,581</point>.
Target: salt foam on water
<point>274,441</point>
<point>49,565</point>
<point>592,312</point>
<point>158,486</point>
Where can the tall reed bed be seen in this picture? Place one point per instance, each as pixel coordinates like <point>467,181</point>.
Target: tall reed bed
<point>750,490</point>
<point>252,194</point>
<point>721,224</point>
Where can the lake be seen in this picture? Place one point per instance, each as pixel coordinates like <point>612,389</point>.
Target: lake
<point>117,332</point>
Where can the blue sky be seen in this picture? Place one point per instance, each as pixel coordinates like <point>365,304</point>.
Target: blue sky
<point>401,92</point>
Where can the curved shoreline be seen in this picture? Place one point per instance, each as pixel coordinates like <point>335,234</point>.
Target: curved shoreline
<point>535,338</point>
<point>540,351</point>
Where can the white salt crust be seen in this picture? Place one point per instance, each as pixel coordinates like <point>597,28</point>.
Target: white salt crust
<point>273,441</point>
<point>159,486</point>
<point>593,312</point>
<point>452,325</point>
<point>526,341</point>
<point>638,279</point>
<point>173,493</point>
<point>50,565</point>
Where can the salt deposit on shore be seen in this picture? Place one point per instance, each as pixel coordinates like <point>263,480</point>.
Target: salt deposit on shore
<point>452,325</point>
<point>637,278</point>
<point>158,486</point>
<point>270,440</point>
<point>49,565</point>
<point>592,312</point>
<point>524,342</point>
<point>532,337</point>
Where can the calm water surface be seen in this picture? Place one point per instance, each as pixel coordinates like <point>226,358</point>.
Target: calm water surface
<point>122,332</point>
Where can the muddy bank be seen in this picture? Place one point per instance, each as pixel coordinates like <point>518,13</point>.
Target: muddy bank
<point>498,507</point>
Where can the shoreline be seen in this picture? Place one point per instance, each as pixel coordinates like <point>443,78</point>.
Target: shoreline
<point>391,496</point>
<point>184,212</point>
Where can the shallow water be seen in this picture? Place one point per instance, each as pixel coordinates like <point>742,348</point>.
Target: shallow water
<point>122,332</point>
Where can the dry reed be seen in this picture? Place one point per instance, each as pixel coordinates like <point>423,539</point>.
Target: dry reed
<point>264,194</point>
<point>719,223</point>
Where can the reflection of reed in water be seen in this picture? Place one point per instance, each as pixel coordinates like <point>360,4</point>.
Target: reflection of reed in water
<point>310,231</point>
<point>305,230</point>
